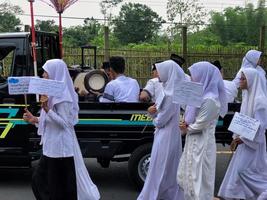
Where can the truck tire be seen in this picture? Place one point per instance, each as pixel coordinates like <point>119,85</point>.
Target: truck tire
<point>138,164</point>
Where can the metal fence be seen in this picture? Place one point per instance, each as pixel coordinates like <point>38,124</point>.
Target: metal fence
<point>138,63</point>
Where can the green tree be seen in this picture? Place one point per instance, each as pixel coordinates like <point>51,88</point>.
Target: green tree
<point>8,20</point>
<point>186,12</point>
<point>81,35</point>
<point>136,23</point>
<point>48,26</point>
<point>239,25</point>
<point>106,8</point>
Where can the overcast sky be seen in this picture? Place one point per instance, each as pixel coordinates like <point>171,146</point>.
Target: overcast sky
<point>91,8</point>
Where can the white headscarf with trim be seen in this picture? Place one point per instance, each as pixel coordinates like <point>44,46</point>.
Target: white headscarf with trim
<point>255,98</point>
<point>57,70</point>
<point>170,73</point>
<point>213,87</point>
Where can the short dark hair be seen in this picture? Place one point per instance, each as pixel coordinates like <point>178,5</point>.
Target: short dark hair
<point>217,64</point>
<point>105,65</point>
<point>117,63</point>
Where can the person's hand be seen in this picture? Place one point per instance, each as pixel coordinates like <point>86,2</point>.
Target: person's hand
<point>233,145</point>
<point>238,140</point>
<point>44,102</point>
<point>28,117</point>
<point>183,126</point>
<point>152,110</point>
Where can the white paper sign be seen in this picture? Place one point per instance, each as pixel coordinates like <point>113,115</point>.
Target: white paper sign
<point>188,93</point>
<point>244,126</point>
<point>160,99</point>
<point>46,86</point>
<point>18,85</point>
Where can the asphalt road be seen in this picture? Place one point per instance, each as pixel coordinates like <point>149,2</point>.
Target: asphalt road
<point>113,182</point>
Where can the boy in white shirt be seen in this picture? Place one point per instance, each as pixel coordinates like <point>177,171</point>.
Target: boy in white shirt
<point>121,88</point>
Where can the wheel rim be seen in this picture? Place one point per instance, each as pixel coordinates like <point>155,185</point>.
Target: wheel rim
<point>143,166</point>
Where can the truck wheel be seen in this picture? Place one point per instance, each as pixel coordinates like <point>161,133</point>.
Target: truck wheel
<point>138,164</point>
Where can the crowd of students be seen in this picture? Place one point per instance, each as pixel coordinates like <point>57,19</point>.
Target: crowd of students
<point>173,174</point>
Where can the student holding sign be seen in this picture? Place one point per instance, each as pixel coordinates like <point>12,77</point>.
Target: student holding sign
<point>167,146</point>
<point>61,173</point>
<point>196,172</point>
<point>246,176</point>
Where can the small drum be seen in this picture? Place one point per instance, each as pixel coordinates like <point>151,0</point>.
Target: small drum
<point>94,80</point>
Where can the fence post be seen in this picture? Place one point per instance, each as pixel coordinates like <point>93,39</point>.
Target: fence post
<point>262,38</point>
<point>106,43</point>
<point>184,43</point>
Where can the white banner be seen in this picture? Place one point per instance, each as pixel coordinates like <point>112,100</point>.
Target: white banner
<point>160,99</point>
<point>34,85</point>
<point>188,93</point>
<point>244,126</point>
<point>18,85</point>
<point>46,87</point>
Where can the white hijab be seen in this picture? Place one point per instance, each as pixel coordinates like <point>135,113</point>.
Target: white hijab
<point>211,78</point>
<point>250,60</point>
<point>170,73</point>
<point>255,98</point>
<point>57,70</point>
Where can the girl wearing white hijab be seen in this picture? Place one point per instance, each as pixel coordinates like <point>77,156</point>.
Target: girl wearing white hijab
<point>167,146</point>
<point>196,172</point>
<point>61,173</point>
<point>246,176</point>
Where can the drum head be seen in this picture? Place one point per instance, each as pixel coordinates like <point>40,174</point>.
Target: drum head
<point>95,80</point>
<point>79,82</point>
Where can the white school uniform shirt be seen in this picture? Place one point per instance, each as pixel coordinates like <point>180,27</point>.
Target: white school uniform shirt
<point>153,88</point>
<point>231,90</point>
<point>122,89</point>
<point>57,140</point>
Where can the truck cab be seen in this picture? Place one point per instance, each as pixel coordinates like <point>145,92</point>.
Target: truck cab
<point>16,60</point>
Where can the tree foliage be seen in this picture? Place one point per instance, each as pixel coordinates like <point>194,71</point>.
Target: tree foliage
<point>236,25</point>
<point>81,35</point>
<point>107,6</point>
<point>185,12</point>
<point>48,26</point>
<point>136,23</point>
<point>8,20</point>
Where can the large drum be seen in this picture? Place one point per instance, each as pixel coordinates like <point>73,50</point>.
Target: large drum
<point>94,80</point>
